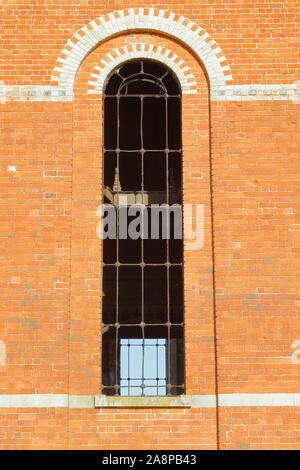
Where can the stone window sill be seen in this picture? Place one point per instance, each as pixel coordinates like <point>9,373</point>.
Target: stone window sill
<point>180,401</point>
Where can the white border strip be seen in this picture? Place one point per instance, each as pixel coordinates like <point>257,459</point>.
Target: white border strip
<point>49,400</point>
<point>39,400</point>
<point>11,93</point>
<point>259,399</point>
<point>285,92</point>
<point>290,91</point>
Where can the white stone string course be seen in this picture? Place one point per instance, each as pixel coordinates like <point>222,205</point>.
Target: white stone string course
<point>290,91</point>
<point>138,51</point>
<point>283,92</point>
<point>11,93</point>
<point>228,400</point>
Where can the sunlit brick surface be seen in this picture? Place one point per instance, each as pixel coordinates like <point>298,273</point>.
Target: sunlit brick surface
<point>240,159</point>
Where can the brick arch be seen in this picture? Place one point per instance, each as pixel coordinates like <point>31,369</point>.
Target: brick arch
<point>137,51</point>
<point>141,19</point>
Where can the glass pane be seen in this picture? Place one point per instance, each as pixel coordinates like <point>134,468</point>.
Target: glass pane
<point>155,294</point>
<point>155,251</point>
<point>130,126</point>
<point>135,391</point>
<point>176,356</point>
<point>155,176</point>
<point>110,123</point>
<point>130,250</point>
<point>176,291</point>
<point>130,294</point>
<point>175,178</point>
<point>110,165</point>
<point>145,86</point>
<point>130,173</point>
<point>171,84</point>
<point>109,251</point>
<point>155,247</point>
<point>176,234</point>
<point>109,378</point>
<point>150,358</point>
<point>154,68</point>
<point>154,123</point>
<point>174,123</point>
<point>162,364</point>
<point>124,362</point>
<point>109,294</point>
<point>130,68</point>
<point>113,84</point>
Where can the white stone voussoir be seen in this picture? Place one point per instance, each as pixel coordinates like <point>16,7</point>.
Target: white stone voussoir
<point>141,19</point>
<point>138,51</point>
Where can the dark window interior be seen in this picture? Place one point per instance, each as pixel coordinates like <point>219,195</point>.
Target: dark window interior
<point>142,347</point>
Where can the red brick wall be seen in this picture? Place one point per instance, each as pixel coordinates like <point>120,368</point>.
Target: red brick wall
<point>255,148</point>
<point>240,159</point>
<point>32,429</point>
<point>256,428</point>
<point>36,138</point>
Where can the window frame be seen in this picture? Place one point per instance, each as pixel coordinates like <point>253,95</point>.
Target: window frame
<point>104,150</point>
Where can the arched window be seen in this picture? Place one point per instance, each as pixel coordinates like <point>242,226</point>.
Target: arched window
<point>142,342</point>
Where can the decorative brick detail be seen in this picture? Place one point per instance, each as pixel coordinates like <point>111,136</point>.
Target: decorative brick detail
<point>283,92</point>
<point>183,29</point>
<point>137,51</point>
